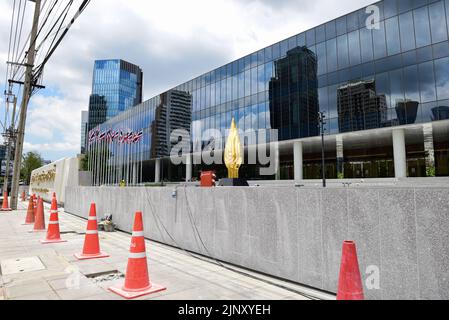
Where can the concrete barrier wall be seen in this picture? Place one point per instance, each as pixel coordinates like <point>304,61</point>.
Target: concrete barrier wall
<point>63,172</point>
<point>297,233</point>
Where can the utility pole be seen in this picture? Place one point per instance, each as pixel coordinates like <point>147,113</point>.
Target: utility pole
<point>10,140</point>
<point>321,117</point>
<point>27,90</point>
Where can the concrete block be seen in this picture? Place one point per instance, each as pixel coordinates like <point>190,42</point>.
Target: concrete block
<point>432,216</point>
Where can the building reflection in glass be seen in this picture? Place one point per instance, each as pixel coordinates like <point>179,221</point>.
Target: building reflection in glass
<point>294,95</point>
<point>173,113</point>
<point>440,113</point>
<point>406,111</point>
<point>360,107</point>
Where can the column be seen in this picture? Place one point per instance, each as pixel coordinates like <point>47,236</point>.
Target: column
<point>400,155</point>
<point>278,166</point>
<point>429,149</point>
<point>157,171</point>
<point>188,167</point>
<point>340,157</point>
<point>298,160</point>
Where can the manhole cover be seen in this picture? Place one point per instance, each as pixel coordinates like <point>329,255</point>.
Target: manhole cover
<point>21,265</point>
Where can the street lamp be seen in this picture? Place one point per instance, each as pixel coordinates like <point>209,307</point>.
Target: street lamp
<point>322,122</point>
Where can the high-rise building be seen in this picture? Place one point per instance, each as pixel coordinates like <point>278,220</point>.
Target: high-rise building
<point>84,123</point>
<point>116,87</point>
<point>173,113</point>
<point>380,88</point>
<point>294,95</point>
<point>360,107</point>
<point>407,111</point>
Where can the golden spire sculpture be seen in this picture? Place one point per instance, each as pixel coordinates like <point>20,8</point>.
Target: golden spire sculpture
<point>232,153</point>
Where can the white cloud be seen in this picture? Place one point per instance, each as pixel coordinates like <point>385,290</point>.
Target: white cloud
<point>173,41</point>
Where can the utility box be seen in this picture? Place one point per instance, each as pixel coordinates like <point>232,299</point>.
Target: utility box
<point>208,179</point>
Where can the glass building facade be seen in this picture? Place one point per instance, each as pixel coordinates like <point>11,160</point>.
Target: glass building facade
<point>116,87</point>
<point>363,71</point>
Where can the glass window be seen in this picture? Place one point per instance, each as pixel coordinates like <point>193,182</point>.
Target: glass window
<point>333,102</point>
<point>352,21</point>
<point>447,14</point>
<point>437,19</point>
<point>301,39</point>
<point>241,82</point>
<point>380,49</point>
<point>322,97</point>
<point>442,78</point>
<point>407,31</point>
<point>330,30</point>
<point>392,32</point>
<point>440,50</point>
<point>292,43</point>
<point>342,49</point>
<point>396,88</point>
<point>366,43</point>
<point>268,54</point>
<point>341,26</point>
<point>383,86</point>
<point>247,83</point>
<point>261,78</point>
<point>320,34</point>
<point>354,48</point>
<point>310,37</point>
<point>331,49</point>
<point>276,51</point>
<point>268,75</point>
<point>422,28</point>
<point>284,48</point>
<point>254,85</point>
<point>321,55</point>
<point>426,82</point>
<point>390,8</point>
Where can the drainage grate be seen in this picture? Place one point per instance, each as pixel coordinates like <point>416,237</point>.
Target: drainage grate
<point>21,265</point>
<point>105,276</point>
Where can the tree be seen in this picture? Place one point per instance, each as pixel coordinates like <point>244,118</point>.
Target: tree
<point>84,163</point>
<point>30,162</point>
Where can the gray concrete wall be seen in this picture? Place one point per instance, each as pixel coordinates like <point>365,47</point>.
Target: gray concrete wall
<point>297,233</point>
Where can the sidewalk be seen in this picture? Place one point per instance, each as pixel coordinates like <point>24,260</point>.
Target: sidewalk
<point>32,270</point>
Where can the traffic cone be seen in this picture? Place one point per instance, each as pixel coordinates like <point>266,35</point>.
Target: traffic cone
<point>23,196</point>
<point>91,249</point>
<point>350,282</point>
<point>137,280</point>
<point>5,205</point>
<point>53,234</point>
<point>35,201</point>
<point>30,212</point>
<point>39,219</point>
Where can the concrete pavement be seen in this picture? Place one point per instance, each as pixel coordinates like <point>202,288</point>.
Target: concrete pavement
<point>31,270</point>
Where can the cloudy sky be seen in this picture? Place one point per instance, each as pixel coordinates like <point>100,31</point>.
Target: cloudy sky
<point>172,40</point>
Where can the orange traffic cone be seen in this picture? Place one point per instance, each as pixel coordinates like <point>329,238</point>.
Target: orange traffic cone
<point>35,202</point>
<point>137,280</point>
<point>30,212</point>
<point>91,249</point>
<point>39,221</point>
<point>5,205</point>
<point>23,196</point>
<point>53,234</point>
<point>350,282</point>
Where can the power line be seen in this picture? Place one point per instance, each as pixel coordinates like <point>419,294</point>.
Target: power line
<point>82,7</point>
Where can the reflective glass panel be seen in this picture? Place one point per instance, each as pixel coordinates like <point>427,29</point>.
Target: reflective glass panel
<point>426,82</point>
<point>407,31</point>
<point>422,27</point>
<point>354,47</point>
<point>442,78</point>
<point>392,32</point>
<point>437,25</point>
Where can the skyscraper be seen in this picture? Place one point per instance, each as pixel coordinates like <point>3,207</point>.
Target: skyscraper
<point>116,87</point>
<point>360,107</point>
<point>294,95</point>
<point>84,122</point>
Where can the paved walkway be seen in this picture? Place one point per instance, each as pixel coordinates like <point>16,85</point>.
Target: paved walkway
<point>58,275</point>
